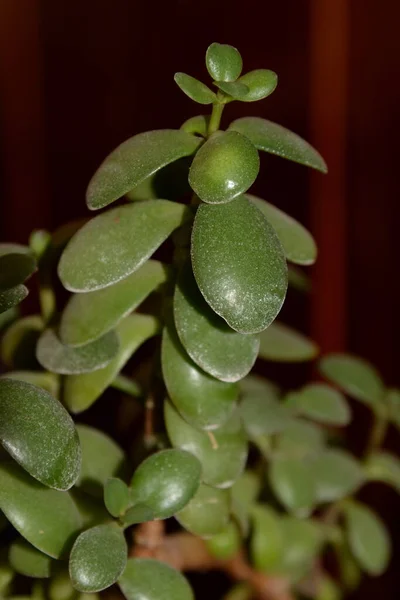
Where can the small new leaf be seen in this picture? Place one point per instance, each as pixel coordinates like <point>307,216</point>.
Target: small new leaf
<point>116,496</point>
<point>195,89</point>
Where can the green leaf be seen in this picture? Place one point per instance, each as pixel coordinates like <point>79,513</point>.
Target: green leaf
<point>8,317</point>
<point>116,243</point>
<point>328,589</point>
<point>147,579</point>
<point>39,433</point>
<point>48,381</point>
<point>273,138</point>
<point>261,83</point>
<point>266,542</point>
<point>116,496</point>
<point>385,467</point>
<point>235,89</point>
<point>134,160</point>
<point>197,517</point>
<point>140,513</point>
<point>47,518</point>
<point>225,166</point>
<point>297,242</point>
<point>195,89</point>
<point>56,357</point>
<point>60,586</point>
<point>368,538</point>
<point>222,453</point>
<point>393,401</point>
<point>166,481</point>
<point>27,560</point>
<point>209,341</point>
<point>17,263</point>
<point>81,391</point>
<point>321,403</point>
<point>239,265</point>
<point>19,342</point>
<point>302,542</point>
<point>98,558</point>
<point>226,544</point>
<point>354,376</point>
<point>293,484</point>
<point>300,439</point>
<point>89,315</point>
<point>6,576</point>
<point>102,458</point>
<point>223,62</point>
<point>169,183</point>
<point>203,401</point>
<point>256,385</point>
<point>281,343</point>
<point>12,297</point>
<point>91,509</point>
<point>264,415</point>
<point>244,492</point>
<point>336,474</point>
<point>197,125</point>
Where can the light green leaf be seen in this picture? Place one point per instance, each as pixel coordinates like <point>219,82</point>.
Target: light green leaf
<point>134,160</point>
<point>244,493</point>
<point>81,391</point>
<point>209,341</point>
<point>27,560</point>
<point>261,83</point>
<point>224,167</point>
<point>116,496</point>
<point>140,513</point>
<point>60,586</point>
<point>235,89</point>
<point>302,542</point>
<point>300,439</point>
<point>256,385</point>
<point>266,542</point>
<point>197,517</point>
<point>321,403</point>
<point>195,89</point>
<point>146,579</point>
<point>385,467</point>
<point>336,474</point>
<point>197,125</point>
<point>12,297</point>
<point>223,62</point>
<point>48,381</point>
<point>89,315</point>
<point>293,484</point>
<point>328,589</point>
<point>239,265</point>
<point>226,544</point>
<point>39,434</point>
<point>17,263</point>
<point>264,415</point>
<point>273,138</point>
<point>297,242</point>
<point>19,342</point>
<point>280,343</point>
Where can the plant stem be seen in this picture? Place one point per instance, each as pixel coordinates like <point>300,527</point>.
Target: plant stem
<point>215,119</point>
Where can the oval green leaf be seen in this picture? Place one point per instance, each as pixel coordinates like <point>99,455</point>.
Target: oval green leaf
<point>116,496</point>
<point>116,243</point>
<point>195,89</point>
<point>17,263</point>
<point>197,517</point>
<point>39,433</point>
<point>146,579</point>
<point>166,481</point>
<point>12,297</point>
<point>223,62</point>
<point>302,542</point>
<point>280,343</point>
<point>140,513</point>
<point>48,381</point>
<point>260,83</point>
<point>26,560</point>
<point>224,167</point>
<point>275,139</point>
<point>234,89</point>
<point>293,484</point>
<point>134,160</point>
<point>384,467</point>
<point>226,544</point>
<point>264,414</point>
<point>98,558</point>
<point>336,474</point>
<point>222,453</point>
<point>300,439</point>
<point>209,341</point>
<point>47,518</point>
<point>266,542</point>
<point>321,403</point>
<point>239,265</point>
<point>245,492</point>
<point>197,125</point>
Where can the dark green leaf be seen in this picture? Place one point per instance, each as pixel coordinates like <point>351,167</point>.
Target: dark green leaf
<point>8,316</point>
<point>48,381</point>
<point>197,517</point>
<point>197,125</point>
<point>293,484</point>
<point>166,481</point>
<point>322,403</point>
<point>17,263</point>
<point>209,341</point>
<point>261,83</point>
<point>302,541</point>
<point>29,561</point>
<point>273,138</point>
<point>385,467</point>
<point>195,89</point>
<point>280,343</point>
<point>336,474</point>
<point>223,62</point>
<point>146,579</point>
<point>226,544</point>
<point>300,439</point>
<point>140,513</point>
<point>266,542</point>
<point>19,342</point>
<point>47,518</point>
<point>134,160</point>
<point>91,509</point>
<point>297,242</point>
<point>12,297</point>
<point>98,558</point>
<point>393,401</point>
<point>235,89</point>
<point>39,433</point>
<point>239,265</point>
<point>222,453</point>
<point>116,496</point>
<point>224,167</point>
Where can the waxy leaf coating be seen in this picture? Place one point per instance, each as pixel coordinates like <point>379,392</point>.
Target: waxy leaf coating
<point>16,264</point>
<point>116,243</point>
<point>195,89</point>
<point>239,265</point>
<point>283,344</point>
<point>223,62</point>
<point>146,579</point>
<point>29,561</point>
<point>134,160</point>
<point>224,167</point>
<point>39,433</point>
<point>98,558</point>
<point>12,297</point>
<point>166,481</point>
<point>260,83</point>
<point>197,517</point>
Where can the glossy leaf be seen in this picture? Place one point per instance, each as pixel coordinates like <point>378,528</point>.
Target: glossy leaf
<point>385,467</point>
<point>39,434</point>
<point>209,341</point>
<point>90,315</point>
<point>239,265</point>
<point>302,541</point>
<point>146,579</point>
<point>47,518</point>
<point>223,62</point>
<point>197,517</point>
<point>336,474</point>
<point>19,342</point>
<point>81,391</point>
<point>197,125</point>
<point>354,376</point>
<point>261,83</point>
<point>275,139</point>
<point>393,401</point>
<point>203,401</point>
<point>195,89</point>
<point>293,484</point>
<point>222,453</point>
<point>226,544</point>
<point>48,381</point>
<point>28,561</point>
<point>300,439</point>
<point>368,538</point>
<point>98,558</point>
<point>298,244</point>
<point>280,343</point>
<point>235,89</point>
<point>166,481</point>
<point>266,542</point>
<point>116,243</point>
<point>134,160</point>
<point>17,263</point>
<point>264,415</point>
<point>12,297</point>
<point>224,167</point>
<point>321,403</point>
<point>116,496</point>
<point>140,513</point>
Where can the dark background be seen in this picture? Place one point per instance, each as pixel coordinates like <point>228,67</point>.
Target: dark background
<point>77,77</point>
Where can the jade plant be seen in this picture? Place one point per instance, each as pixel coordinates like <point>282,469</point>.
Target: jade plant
<point>253,478</point>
